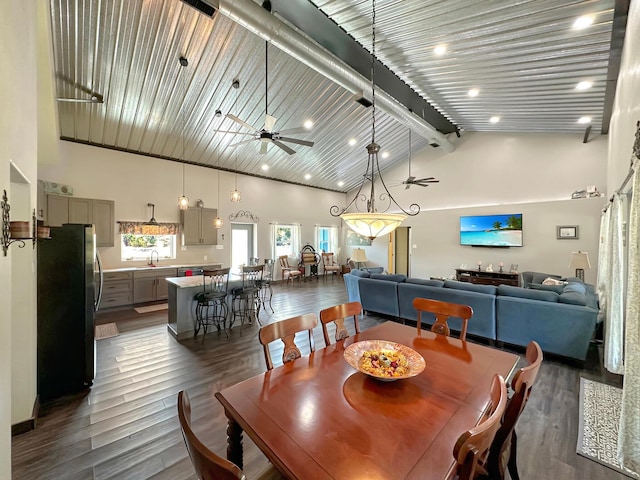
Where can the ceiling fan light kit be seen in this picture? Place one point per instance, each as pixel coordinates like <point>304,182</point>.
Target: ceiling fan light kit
<point>372,223</point>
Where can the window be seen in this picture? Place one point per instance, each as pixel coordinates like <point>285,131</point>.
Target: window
<point>327,239</point>
<point>285,240</point>
<point>139,247</point>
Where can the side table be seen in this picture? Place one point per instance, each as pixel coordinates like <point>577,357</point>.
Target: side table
<point>344,269</point>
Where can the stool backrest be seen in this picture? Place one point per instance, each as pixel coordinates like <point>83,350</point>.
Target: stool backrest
<point>215,281</point>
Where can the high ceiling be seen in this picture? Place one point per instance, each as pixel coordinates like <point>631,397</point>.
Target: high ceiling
<point>525,58</point>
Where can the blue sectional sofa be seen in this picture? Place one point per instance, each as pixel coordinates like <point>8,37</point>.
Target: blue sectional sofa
<point>561,318</point>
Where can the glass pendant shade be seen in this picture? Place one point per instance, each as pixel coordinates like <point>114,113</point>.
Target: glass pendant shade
<point>373,224</point>
<point>235,196</point>
<point>217,222</point>
<point>183,202</point>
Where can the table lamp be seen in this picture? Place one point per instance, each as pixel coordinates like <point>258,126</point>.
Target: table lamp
<point>359,256</point>
<point>579,261</point>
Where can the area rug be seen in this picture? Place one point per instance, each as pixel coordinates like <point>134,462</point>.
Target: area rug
<point>600,406</point>
<point>152,308</point>
<point>106,331</point>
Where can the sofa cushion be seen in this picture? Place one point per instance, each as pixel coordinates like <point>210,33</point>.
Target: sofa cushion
<point>574,293</point>
<point>574,287</point>
<point>425,281</point>
<point>373,270</point>
<point>360,273</point>
<point>470,287</point>
<point>398,278</point>
<point>509,291</point>
<point>547,288</point>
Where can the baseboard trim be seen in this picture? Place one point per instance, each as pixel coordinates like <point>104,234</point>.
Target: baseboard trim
<point>30,423</point>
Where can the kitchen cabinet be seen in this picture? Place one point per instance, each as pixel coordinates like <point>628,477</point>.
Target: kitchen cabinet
<point>197,226</point>
<point>150,285</point>
<point>117,289</point>
<point>62,209</point>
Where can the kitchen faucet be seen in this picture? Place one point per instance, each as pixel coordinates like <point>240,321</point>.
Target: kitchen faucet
<point>157,258</point>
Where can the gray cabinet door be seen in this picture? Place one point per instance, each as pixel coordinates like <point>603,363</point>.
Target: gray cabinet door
<point>191,227</point>
<point>57,210</point>
<point>144,289</point>
<point>209,233</point>
<point>104,221</point>
<point>80,210</point>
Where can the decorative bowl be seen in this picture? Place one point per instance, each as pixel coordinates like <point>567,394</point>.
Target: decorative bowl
<point>354,355</point>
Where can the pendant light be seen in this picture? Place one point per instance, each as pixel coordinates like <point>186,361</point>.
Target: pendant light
<point>235,194</point>
<point>183,200</point>
<point>372,223</point>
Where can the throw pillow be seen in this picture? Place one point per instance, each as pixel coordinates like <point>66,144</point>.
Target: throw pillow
<point>549,288</point>
<point>552,281</point>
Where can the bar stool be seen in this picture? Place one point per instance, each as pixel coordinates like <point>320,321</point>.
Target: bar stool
<point>245,298</point>
<point>265,294</point>
<point>212,308</point>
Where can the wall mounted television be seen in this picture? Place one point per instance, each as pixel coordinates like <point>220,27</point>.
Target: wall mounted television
<point>491,230</point>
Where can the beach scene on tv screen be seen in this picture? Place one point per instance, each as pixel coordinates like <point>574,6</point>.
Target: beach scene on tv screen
<point>492,230</point>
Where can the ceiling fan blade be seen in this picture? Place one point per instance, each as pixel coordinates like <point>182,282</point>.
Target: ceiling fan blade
<point>237,120</point>
<point>293,131</point>
<point>231,132</point>
<point>269,122</point>
<point>240,143</point>
<point>408,185</point>
<point>409,180</point>
<point>295,140</point>
<point>263,147</point>
<point>427,179</point>
<point>81,100</point>
<point>290,151</point>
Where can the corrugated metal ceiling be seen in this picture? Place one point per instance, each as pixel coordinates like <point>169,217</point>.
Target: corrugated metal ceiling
<point>523,57</point>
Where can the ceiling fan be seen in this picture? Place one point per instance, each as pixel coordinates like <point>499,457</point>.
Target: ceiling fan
<point>267,134</point>
<point>422,182</point>
<point>94,97</point>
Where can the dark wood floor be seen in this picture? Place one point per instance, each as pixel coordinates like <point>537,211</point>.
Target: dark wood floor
<point>126,426</point>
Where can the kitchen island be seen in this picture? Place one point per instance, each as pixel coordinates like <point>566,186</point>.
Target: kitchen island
<point>182,304</point>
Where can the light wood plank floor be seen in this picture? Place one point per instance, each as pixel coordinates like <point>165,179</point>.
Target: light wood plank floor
<point>126,426</point>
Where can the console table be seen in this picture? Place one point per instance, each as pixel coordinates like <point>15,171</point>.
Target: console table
<point>487,278</point>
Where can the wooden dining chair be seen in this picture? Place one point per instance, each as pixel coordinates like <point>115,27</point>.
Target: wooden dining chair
<point>329,265</point>
<point>286,330</point>
<point>338,314</point>
<point>503,453</point>
<point>209,465</point>
<point>288,272</point>
<point>442,311</point>
<point>472,448</point>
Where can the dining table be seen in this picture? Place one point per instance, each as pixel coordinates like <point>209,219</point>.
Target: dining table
<point>318,417</point>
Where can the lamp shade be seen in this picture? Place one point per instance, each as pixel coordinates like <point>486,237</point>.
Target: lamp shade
<point>373,224</point>
<point>358,255</point>
<point>579,260</point>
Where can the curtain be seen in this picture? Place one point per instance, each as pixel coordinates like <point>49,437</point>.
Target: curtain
<point>141,228</point>
<point>296,245</point>
<point>614,290</point>
<point>273,229</point>
<point>629,434</point>
<point>604,259</point>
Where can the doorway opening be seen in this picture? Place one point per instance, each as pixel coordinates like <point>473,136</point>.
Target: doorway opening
<point>242,243</point>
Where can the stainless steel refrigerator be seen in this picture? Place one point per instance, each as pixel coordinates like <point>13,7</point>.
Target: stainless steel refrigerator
<point>67,300</point>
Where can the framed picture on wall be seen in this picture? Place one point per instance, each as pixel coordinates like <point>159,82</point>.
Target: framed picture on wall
<point>355,239</point>
<point>567,232</point>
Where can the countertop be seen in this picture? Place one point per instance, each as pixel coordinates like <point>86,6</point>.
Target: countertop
<point>142,268</point>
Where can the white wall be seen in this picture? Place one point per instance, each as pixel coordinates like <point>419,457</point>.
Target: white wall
<point>626,108</point>
<point>18,139</point>
<point>132,181</point>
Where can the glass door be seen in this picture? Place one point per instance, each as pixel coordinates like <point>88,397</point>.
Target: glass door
<point>242,243</point>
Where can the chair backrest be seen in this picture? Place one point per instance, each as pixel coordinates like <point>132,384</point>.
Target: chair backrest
<point>472,448</point>
<point>338,314</point>
<point>267,273</point>
<point>207,464</point>
<point>251,275</point>
<point>284,262</point>
<point>328,259</point>
<point>442,311</point>
<point>218,281</point>
<point>286,330</point>
<point>521,384</point>
<point>254,260</point>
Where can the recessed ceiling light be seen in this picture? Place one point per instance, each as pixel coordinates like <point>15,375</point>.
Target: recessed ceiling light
<point>494,119</point>
<point>307,177</point>
<point>473,92</point>
<point>584,85</point>
<point>308,124</point>
<point>352,141</point>
<point>340,184</point>
<point>265,167</point>
<point>583,22</point>
<point>440,50</point>
<point>385,154</point>
<point>584,120</point>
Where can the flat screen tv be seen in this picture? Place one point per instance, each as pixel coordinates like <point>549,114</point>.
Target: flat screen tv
<point>491,230</point>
